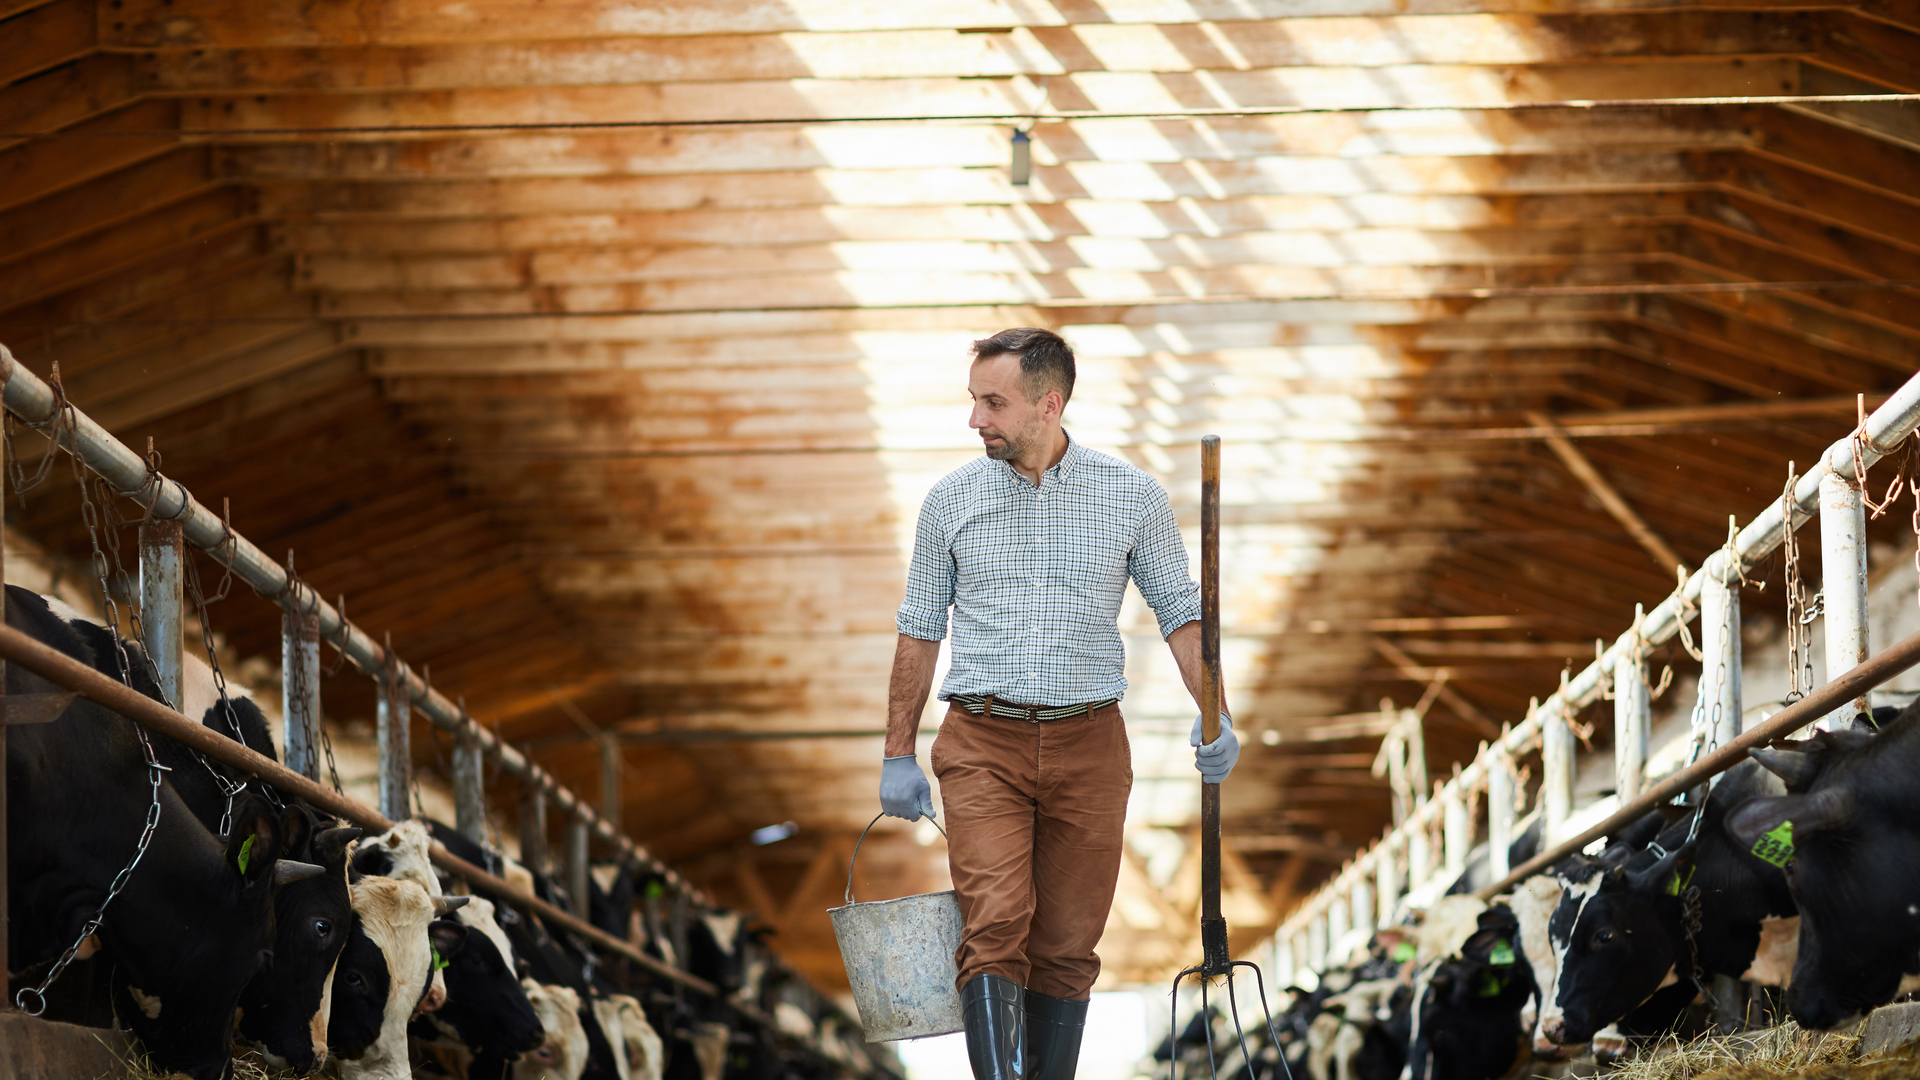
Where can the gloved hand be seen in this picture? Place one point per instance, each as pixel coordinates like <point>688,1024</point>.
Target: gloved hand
<point>904,791</point>
<point>1215,759</point>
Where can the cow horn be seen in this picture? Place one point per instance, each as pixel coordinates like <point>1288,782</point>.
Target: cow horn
<point>447,905</point>
<point>287,871</point>
<point>1798,769</point>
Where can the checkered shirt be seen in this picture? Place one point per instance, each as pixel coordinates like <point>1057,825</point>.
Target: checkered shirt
<point>1034,576</point>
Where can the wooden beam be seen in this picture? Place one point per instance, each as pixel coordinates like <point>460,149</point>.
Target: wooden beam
<point>1464,709</point>
<point>114,141</point>
<point>45,37</point>
<point>1577,464</point>
<point>202,24</point>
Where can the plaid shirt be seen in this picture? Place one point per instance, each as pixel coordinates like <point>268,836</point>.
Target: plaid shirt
<point>1034,576</point>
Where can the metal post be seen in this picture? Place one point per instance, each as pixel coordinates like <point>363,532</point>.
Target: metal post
<point>162,548</point>
<point>1339,921</point>
<point>1283,965</point>
<point>1632,713</point>
<point>6,998</point>
<point>577,863</point>
<point>1317,942</point>
<point>1843,577</point>
<point>1720,644</point>
<point>1556,765</point>
<point>396,751</point>
<point>1301,948</point>
<point>1416,735</point>
<point>610,770</point>
<point>1499,810</point>
<point>1419,859</point>
<point>300,690</point>
<point>469,787</point>
<point>533,828</point>
<point>1387,884</point>
<point>1457,830</point>
<point>1363,906</point>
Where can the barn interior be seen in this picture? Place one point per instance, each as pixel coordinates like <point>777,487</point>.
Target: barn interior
<point>601,354</point>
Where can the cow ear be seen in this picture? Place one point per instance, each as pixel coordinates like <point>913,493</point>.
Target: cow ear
<point>296,832</point>
<point>1757,817</point>
<point>331,844</point>
<point>255,843</point>
<point>1662,876</point>
<point>448,937</point>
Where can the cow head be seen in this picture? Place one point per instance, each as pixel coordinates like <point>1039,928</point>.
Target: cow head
<point>1470,1010</point>
<point>285,1008</point>
<point>562,1055</point>
<point>207,930</point>
<point>1847,824</point>
<point>487,1008</point>
<point>1618,938</point>
<point>384,975</point>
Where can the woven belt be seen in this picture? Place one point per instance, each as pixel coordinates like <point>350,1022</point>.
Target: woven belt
<point>988,705</point>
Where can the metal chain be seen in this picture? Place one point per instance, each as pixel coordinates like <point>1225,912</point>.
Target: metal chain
<point>1687,610</point>
<point>228,787</point>
<point>38,994</point>
<point>63,410</point>
<point>17,476</point>
<point>1693,924</point>
<point>1799,637</point>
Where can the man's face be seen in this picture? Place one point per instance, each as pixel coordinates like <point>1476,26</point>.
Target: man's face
<point>1009,424</point>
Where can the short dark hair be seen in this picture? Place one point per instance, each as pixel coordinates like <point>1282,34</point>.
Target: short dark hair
<point>1046,360</point>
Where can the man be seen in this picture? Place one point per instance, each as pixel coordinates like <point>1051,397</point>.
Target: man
<point>1031,548</point>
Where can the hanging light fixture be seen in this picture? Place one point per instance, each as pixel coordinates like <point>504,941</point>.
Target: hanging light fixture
<point>1022,158</point>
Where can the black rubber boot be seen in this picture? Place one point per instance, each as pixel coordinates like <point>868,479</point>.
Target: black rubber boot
<point>993,1010</point>
<point>1054,1027</point>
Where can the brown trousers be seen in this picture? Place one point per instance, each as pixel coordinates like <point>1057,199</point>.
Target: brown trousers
<point>1034,819</point>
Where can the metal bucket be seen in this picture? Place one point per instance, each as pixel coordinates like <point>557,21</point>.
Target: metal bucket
<point>900,959</point>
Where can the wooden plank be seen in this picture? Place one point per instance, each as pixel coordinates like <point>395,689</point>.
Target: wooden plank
<point>111,142</point>
<point>816,99</point>
<point>1885,53</point>
<point>106,201</point>
<point>45,37</point>
<point>65,96</point>
<point>1578,464</point>
<point>193,221</point>
<point>155,24</point>
<point>1374,42</point>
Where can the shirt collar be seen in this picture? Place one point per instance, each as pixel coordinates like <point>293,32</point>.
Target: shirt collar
<point>1059,473</point>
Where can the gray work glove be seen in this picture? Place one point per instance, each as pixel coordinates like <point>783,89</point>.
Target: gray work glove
<point>904,791</point>
<point>1215,759</point>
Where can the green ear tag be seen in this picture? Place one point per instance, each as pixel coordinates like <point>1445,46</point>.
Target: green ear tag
<point>1492,983</point>
<point>655,890</point>
<point>1403,952</point>
<point>1502,954</point>
<point>246,853</point>
<point>1775,847</point>
<point>438,962</point>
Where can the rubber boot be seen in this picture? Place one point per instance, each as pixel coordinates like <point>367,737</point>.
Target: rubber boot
<point>1054,1027</point>
<point>993,1012</point>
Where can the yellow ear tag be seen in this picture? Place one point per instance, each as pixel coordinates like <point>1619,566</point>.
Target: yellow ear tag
<point>246,853</point>
<point>1676,882</point>
<point>1776,846</point>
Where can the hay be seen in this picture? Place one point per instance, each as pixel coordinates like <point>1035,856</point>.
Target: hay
<point>246,1066</point>
<point>1787,1052</point>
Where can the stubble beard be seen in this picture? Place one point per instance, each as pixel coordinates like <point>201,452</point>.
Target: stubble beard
<point>1010,449</point>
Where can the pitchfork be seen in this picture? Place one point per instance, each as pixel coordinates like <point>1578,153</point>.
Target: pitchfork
<point>1215,960</point>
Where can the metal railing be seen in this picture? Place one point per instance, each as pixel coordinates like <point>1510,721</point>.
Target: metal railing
<point>1367,889</point>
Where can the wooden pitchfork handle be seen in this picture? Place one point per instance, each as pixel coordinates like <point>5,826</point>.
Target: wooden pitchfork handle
<point>1216,959</point>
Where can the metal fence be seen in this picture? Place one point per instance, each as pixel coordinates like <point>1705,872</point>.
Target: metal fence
<point>173,520</point>
<point>1411,861</point>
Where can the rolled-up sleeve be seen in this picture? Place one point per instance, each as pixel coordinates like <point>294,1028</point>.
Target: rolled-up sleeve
<point>930,577</point>
<point>1159,564</point>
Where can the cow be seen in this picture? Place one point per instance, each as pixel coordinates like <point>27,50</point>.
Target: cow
<point>638,1051</point>
<point>483,1005</point>
<point>393,952</point>
<point>1847,828</point>
<point>194,921</point>
<point>562,1055</point>
<point>1469,1024</point>
<point>284,1007</point>
<point>1620,932</point>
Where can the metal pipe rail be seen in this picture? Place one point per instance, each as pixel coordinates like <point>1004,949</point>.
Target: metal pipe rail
<point>31,399</point>
<point>1880,435</point>
<point>63,670</point>
<point>1856,681</point>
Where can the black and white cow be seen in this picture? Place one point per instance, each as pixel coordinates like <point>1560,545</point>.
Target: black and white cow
<point>1620,932</point>
<point>195,921</point>
<point>1849,824</point>
<point>284,1008</point>
<point>392,957</point>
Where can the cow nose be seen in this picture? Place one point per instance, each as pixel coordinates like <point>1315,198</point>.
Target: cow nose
<point>1555,1030</point>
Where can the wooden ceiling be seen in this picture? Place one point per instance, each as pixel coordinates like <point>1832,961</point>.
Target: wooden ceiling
<point>601,352</point>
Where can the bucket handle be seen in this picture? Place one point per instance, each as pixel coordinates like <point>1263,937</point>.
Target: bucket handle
<point>863,839</point>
